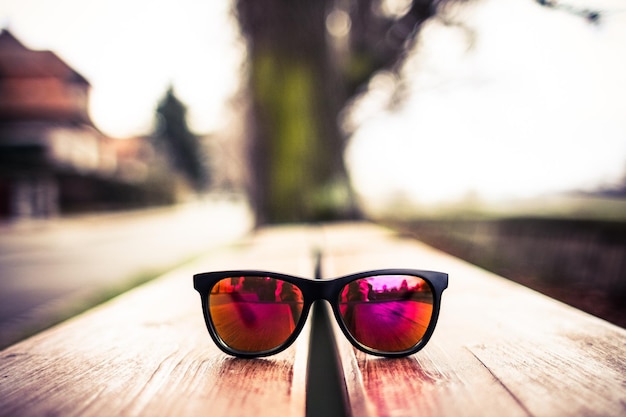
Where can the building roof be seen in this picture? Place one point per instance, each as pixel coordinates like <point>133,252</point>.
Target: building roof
<point>39,86</point>
<point>18,61</point>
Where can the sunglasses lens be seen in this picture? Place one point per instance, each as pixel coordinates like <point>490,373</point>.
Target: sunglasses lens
<point>388,313</point>
<point>254,314</point>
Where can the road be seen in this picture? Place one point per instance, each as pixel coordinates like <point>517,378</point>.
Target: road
<point>52,269</point>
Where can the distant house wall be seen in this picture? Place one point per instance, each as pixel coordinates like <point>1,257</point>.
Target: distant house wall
<point>46,98</point>
<point>52,157</point>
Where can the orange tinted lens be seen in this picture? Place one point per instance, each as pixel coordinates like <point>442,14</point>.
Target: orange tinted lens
<point>254,314</point>
<point>389,313</point>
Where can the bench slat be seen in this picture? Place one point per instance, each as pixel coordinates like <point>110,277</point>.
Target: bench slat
<point>147,352</point>
<point>499,348</point>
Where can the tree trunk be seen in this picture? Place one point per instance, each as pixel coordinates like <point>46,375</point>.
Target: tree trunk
<point>296,149</point>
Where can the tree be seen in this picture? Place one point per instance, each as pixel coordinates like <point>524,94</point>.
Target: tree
<point>307,60</point>
<point>181,144</point>
<point>591,15</point>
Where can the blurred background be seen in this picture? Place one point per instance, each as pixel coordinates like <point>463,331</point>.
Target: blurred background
<point>494,130</point>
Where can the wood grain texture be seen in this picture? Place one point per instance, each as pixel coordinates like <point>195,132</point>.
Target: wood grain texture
<point>148,352</point>
<point>499,348</point>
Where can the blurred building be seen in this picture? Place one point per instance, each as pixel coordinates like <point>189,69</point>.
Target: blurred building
<point>52,157</point>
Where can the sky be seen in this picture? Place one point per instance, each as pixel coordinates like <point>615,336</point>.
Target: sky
<point>536,105</point>
<point>517,101</point>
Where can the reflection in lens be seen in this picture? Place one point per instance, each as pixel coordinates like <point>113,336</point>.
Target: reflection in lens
<point>389,312</point>
<point>254,314</point>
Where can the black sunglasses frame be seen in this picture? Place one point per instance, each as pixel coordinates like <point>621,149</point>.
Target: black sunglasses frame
<point>316,290</point>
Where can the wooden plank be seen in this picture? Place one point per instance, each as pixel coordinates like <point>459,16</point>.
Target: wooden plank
<point>148,352</point>
<point>499,348</point>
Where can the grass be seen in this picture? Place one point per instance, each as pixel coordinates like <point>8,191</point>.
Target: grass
<point>573,250</point>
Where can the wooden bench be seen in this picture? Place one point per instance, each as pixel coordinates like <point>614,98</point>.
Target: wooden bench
<point>499,349</point>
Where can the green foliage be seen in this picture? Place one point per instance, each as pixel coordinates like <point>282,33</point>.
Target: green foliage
<point>182,146</point>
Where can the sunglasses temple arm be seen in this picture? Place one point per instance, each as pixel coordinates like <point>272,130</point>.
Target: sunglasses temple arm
<point>318,263</point>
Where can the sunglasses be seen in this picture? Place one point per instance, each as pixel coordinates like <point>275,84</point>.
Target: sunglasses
<point>387,312</point>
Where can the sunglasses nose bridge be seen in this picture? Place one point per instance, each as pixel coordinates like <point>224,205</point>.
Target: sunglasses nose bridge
<point>321,290</point>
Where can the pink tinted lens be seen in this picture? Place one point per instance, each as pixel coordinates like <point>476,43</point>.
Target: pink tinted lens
<point>254,314</point>
<point>388,313</point>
